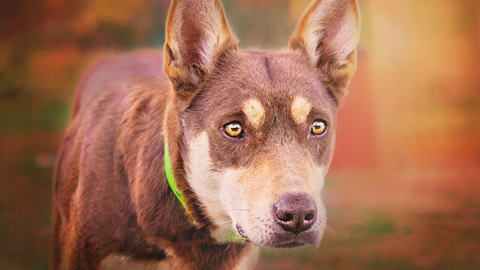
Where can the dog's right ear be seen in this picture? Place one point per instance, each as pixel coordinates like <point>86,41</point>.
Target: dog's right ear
<point>196,33</point>
<point>328,34</point>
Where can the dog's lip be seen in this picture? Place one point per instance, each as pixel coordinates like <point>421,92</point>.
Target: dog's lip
<point>240,231</point>
<point>289,240</point>
<point>290,244</point>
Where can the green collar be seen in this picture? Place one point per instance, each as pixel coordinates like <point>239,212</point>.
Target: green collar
<point>171,177</point>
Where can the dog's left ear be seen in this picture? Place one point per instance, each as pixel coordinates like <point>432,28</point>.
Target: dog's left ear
<point>197,32</point>
<point>328,33</point>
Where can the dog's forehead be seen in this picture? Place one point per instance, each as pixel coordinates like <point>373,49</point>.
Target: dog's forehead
<point>259,83</point>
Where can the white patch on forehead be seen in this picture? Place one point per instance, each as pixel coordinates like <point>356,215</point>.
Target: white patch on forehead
<point>300,109</point>
<point>254,111</point>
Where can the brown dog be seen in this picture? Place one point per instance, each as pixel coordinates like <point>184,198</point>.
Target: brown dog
<point>226,154</point>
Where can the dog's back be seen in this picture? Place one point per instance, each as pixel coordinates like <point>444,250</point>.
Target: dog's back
<point>114,71</point>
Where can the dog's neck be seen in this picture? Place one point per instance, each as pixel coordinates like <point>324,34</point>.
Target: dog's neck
<point>171,178</point>
<point>179,194</point>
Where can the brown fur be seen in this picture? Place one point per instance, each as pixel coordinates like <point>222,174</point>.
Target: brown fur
<point>111,194</point>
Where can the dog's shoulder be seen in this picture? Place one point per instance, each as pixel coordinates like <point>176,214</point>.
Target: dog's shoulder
<point>117,112</point>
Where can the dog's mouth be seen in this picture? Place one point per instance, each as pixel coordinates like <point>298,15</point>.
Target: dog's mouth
<point>285,241</point>
<point>241,231</point>
<point>290,245</point>
<point>282,240</point>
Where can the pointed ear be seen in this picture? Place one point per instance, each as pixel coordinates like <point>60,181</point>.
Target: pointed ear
<point>328,33</point>
<point>196,33</point>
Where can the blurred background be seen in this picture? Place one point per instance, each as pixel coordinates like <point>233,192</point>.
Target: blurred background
<point>404,188</point>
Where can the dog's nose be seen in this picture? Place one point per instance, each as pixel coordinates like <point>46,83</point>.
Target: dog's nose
<point>295,212</point>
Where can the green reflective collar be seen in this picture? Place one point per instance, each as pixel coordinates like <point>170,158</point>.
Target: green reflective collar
<point>171,177</point>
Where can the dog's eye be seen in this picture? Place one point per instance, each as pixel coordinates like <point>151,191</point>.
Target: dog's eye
<point>318,127</point>
<point>233,130</point>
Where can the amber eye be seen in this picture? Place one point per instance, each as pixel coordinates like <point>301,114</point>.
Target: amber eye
<point>233,130</point>
<point>318,127</point>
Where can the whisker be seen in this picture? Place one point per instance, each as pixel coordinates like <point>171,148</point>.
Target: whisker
<point>225,222</point>
<point>254,238</point>
<point>333,225</point>
<point>333,229</point>
<point>243,250</point>
<point>241,202</point>
<point>332,233</point>
<point>252,229</point>
<point>268,251</point>
<point>227,248</point>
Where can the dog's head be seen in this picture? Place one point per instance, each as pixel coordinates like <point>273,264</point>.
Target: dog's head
<point>253,132</point>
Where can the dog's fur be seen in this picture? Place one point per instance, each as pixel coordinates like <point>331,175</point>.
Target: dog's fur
<point>111,194</point>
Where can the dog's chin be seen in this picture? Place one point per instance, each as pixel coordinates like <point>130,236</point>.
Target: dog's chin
<point>290,245</point>
<point>287,240</point>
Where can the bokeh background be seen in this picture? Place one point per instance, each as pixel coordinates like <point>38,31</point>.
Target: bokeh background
<point>404,188</point>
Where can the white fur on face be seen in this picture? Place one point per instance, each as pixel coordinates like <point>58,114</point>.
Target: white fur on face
<point>245,197</point>
<point>205,182</point>
<point>250,195</point>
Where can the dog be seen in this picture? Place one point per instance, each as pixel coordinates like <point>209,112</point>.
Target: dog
<point>222,152</point>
